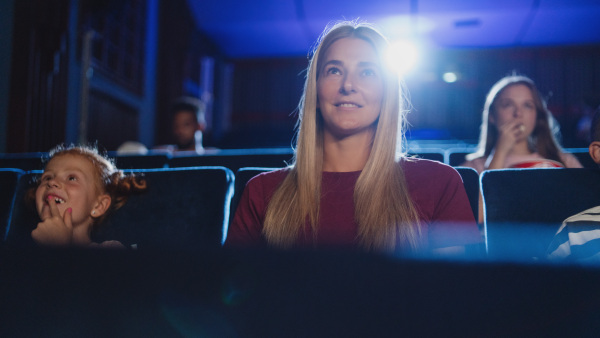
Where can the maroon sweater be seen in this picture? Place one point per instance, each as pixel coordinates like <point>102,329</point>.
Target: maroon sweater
<point>436,190</point>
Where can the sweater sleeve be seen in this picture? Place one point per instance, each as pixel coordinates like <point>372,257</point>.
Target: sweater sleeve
<point>452,222</point>
<point>246,227</point>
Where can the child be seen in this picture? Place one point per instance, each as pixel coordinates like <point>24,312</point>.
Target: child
<point>77,190</point>
<point>577,238</point>
<point>517,131</point>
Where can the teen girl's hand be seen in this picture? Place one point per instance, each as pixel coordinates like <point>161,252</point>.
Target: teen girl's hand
<point>509,134</point>
<point>54,230</point>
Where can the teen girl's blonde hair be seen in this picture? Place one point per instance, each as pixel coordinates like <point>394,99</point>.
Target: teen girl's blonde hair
<point>386,217</point>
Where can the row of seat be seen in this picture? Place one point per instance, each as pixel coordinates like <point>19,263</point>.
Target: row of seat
<point>235,159</point>
<point>191,207</point>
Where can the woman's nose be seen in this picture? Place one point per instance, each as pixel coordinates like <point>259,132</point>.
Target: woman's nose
<point>347,85</point>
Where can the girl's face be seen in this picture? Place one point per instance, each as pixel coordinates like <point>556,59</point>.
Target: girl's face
<point>70,180</point>
<point>515,104</point>
<point>350,87</point>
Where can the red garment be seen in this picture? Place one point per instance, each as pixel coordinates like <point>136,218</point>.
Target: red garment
<point>436,190</point>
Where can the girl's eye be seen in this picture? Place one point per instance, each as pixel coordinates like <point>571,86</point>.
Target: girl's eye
<point>72,178</point>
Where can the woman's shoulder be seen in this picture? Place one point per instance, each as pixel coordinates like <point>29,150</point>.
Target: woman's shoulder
<point>476,163</point>
<point>417,167</point>
<point>267,176</point>
<point>570,160</point>
<point>268,180</point>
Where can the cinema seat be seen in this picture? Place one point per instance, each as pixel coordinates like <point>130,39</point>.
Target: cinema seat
<point>583,155</point>
<point>183,209</point>
<point>525,207</point>
<point>434,154</point>
<point>8,184</point>
<point>235,159</point>
<point>151,161</point>
<point>456,156</point>
<point>23,161</point>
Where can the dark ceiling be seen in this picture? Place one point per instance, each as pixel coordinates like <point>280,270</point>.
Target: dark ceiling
<point>278,28</point>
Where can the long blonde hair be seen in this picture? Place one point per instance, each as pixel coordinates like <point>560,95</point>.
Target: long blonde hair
<point>386,217</point>
<point>543,138</point>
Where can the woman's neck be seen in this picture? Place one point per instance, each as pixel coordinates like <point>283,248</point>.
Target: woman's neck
<point>346,154</point>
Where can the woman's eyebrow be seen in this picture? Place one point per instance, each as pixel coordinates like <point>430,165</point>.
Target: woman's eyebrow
<point>333,62</point>
<point>368,64</point>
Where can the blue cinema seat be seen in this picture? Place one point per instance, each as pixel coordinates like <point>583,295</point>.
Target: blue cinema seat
<point>9,178</point>
<point>235,158</point>
<point>24,161</point>
<point>183,209</point>
<point>434,154</point>
<point>149,161</point>
<point>525,207</point>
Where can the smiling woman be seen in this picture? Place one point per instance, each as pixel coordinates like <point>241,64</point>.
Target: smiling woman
<point>349,185</point>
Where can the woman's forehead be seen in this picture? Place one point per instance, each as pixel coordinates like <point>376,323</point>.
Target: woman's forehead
<point>351,49</point>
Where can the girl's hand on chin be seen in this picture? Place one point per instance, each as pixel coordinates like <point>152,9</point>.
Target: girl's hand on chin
<point>509,134</point>
<point>54,230</point>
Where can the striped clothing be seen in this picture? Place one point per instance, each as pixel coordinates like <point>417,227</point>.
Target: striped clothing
<point>578,238</point>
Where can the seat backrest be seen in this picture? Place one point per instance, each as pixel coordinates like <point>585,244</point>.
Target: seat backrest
<point>182,209</point>
<point>9,179</point>
<point>435,154</point>
<point>456,156</point>
<point>525,207</point>
<point>470,179</point>
<point>23,217</point>
<point>235,159</point>
<point>23,161</point>
<point>141,161</point>
<point>583,155</point>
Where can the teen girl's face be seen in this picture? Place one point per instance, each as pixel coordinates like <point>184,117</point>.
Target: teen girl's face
<point>70,181</point>
<point>516,105</point>
<point>350,87</point>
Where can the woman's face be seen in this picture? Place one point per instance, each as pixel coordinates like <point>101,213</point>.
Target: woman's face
<point>349,88</point>
<point>515,104</point>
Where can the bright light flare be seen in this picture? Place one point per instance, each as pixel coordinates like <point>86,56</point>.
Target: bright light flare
<point>402,56</point>
<point>450,77</point>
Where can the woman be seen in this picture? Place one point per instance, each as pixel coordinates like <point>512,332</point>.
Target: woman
<point>349,186</point>
<point>517,130</point>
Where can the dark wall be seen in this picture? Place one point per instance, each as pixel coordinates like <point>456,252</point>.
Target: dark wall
<point>266,92</point>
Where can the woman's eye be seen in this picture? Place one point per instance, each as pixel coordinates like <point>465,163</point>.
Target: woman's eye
<point>368,72</point>
<point>333,70</point>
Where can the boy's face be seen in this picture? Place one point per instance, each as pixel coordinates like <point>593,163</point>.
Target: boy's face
<point>184,130</point>
<point>70,181</point>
